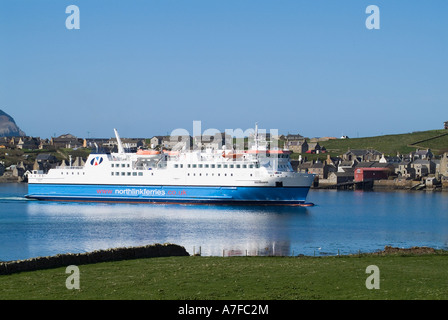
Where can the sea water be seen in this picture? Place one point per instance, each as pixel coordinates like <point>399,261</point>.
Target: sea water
<point>341,222</point>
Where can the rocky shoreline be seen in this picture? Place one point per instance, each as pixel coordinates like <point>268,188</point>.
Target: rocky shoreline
<point>412,250</point>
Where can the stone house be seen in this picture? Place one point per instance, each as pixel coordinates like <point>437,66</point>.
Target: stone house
<point>66,141</point>
<point>93,143</point>
<point>129,144</point>
<point>44,144</point>
<point>405,170</point>
<point>304,167</point>
<point>18,170</point>
<point>347,166</point>
<point>315,147</point>
<point>294,137</point>
<point>421,154</point>
<point>362,155</point>
<point>177,142</point>
<point>299,146</point>
<point>423,167</point>
<point>215,141</point>
<point>340,177</point>
<point>320,169</point>
<point>28,143</point>
<point>44,162</point>
<point>156,141</point>
<point>443,168</point>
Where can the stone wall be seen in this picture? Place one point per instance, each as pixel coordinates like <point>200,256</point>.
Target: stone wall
<point>116,254</point>
<point>395,184</point>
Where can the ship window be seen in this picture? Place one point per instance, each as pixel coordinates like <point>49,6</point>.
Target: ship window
<point>219,166</point>
<point>176,166</point>
<point>225,166</point>
<point>194,166</point>
<point>194,174</point>
<point>188,165</point>
<point>117,173</point>
<point>111,173</point>
<point>206,165</point>
<point>231,174</point>
<point>213,166</point>
<point>238,166</point>
<point>140,173</point>
<point>62,172</point>
<point>225,174</point>
<point>134,173</point>
<point>188,174</point>
<point>200,174</point>
<point>219,174</point>
<point>123,173</point>
<point>251,174</point>
<point>200,166</point>
<point>127,165</point>
<point>122,165</point>
<point>128,173</point>
<point>244,166</point>
<point>251,166</point>
<point>231,166</point>
<point>181,165</point>
<point>112,165</point>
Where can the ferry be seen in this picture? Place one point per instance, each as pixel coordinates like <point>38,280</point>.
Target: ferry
<point>258,176</point>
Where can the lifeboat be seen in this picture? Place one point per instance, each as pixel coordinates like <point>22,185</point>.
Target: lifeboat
<point>171,153</point>
<point>148,152</point>
<point>232,155</point>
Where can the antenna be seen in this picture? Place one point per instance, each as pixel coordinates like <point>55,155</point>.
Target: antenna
<point>256,135</point>
<point>120,146</point>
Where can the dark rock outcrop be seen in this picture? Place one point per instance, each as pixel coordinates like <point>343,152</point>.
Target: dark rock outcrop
<point>8,127</point>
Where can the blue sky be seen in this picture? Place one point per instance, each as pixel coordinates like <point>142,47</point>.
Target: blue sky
<point>149,67</point>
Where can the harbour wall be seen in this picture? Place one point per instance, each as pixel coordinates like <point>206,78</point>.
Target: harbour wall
<point>116,254</point>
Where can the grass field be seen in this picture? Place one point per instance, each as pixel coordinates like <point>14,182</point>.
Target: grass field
<point>401,277</point>
<point>391,144</point>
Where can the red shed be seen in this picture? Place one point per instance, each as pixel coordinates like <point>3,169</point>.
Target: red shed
<point>362,174</point>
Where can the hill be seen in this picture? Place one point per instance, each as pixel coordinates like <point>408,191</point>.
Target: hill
<point>8,127</point>
<point>436,140</point>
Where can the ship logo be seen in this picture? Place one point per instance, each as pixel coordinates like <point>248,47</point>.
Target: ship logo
<point>96,161</point>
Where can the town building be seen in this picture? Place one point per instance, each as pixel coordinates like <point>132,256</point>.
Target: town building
<point>66,141</point>
<point>362,155</point>
<point>373,170</point>
<point>421,154</point>
<point>444,165</point>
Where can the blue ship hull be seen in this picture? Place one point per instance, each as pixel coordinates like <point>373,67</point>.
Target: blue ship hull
<point>170,194</point>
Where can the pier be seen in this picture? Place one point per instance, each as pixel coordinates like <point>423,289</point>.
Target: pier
<point>350,185</point>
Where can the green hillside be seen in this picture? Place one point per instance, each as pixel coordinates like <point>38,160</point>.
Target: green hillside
<point>436,140</point>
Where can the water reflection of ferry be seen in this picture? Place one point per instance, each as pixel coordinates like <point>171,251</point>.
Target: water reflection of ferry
<point>256,176</point>
<point>276,248</point>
